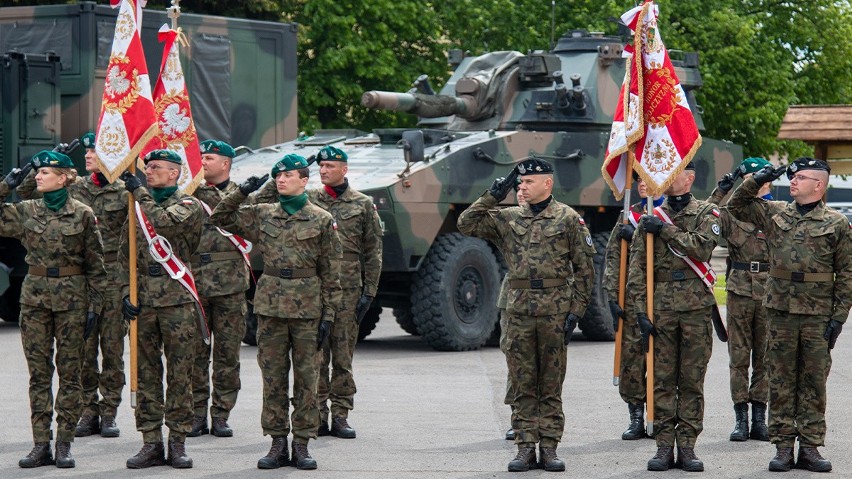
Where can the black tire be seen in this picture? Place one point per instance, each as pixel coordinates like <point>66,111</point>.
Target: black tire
<point>405,320</point>
<point>454,293</point>
<point>494,340</point>
<point>10,304</point>
<point>250,337</point>
<point>596,325</point>
<point>368,324</point>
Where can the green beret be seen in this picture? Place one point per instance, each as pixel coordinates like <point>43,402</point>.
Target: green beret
<point>753,165</point>
<point>332,153</point>
<point>165,155</point>
<point>88,140</point>
<point>217,147</point>
<point>51,158</point>
<point>289,162</point>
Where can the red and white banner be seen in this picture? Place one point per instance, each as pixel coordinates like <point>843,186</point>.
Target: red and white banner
<point>653,123</point>
<point>127,121</point>
<point>243,246</point>
<point>701,268</point>
<point>174,116</point>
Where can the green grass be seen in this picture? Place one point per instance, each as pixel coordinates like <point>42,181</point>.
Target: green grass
<point>719,290</point>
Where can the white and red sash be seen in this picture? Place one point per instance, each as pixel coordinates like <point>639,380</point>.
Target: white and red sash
<point>242,245</point>
<point>701,268</point>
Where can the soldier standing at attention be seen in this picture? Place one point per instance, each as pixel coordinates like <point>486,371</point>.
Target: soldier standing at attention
<point>631,382</point>
<point>548,251</point>
<point>222,278</point>
<point>682,317</point>
<point>61,297</point>
<point>360,234</point>
<point>108,202</point>
<point>296,300</point>
<point>807,301</point>
<point>167,312</point>
<point>748,263</point>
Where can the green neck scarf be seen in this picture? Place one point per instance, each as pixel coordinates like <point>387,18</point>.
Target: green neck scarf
<point>160,194</point>
<point>54,200</point>
<point>292,204</point>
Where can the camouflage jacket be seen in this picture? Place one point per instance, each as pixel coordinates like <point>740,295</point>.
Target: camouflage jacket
<point>817,242</point>
<point>613,256</point>
<point>305,240</point>
<point>746,244</point>
<point>56,239</point>
<point>220,277</point>
<point>695,233</point>
<point>179,220</point>
<point>109,203</point>
<point>554,244</point>
<point>360,234</point>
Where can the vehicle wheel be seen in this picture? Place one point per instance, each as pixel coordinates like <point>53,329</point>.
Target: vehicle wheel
<point>368,324</point>
<point>597,323</point>
<point>405,320</point>
<point>10,305</point>
<point>494,340</point>
<point>454,293</point>
<point>250,337</point>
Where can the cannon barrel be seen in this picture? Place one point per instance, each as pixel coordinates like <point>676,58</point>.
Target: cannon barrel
<point>427,106</point>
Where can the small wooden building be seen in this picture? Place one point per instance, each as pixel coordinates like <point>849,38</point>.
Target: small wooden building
<point>827,127</point>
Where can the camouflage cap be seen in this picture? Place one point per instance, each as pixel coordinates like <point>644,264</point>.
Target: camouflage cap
<point>164,155</point>
<point>217,147</point>
<point>332,153</point>
<point>88,141</point>
<point>806,163</point>
<point>534,166</point>
<point>288,163</point>
<point>53,159</point>
<point>753,165</point>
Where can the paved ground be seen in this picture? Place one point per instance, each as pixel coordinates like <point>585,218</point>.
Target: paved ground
<point>425,414</point>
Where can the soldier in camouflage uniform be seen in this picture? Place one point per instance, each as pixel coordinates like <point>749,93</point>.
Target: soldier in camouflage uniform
<point>748,263</point>
<point>296,300</point>
<point>631,375</point>
<point>807,301</point>
<point>360,234</point>
<point>222,278</point>
<point>548,250</point>
<point>109,204</point>
<point>167,312</point>
<point>61,297</point>
<point>682,318</point>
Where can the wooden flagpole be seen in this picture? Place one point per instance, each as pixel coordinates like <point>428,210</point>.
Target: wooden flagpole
<point>622,276</point>
<point>134,293</point>
<point>649,283</point>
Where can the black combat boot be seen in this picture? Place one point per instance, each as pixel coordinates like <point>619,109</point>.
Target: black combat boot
<point>87,426</point>
<point>759,430</point>
<point>39,456</point>
<point>340,428</point>
<point>783,460</point>
<point>636,429</point>
<point>109,428</point>
<point>199,426</point>
<point>510,434</point>
<point>64,459</point>
<point>323,429</point>
<point>301,457</point>
<point>221,428</point>
<point>151,454</point>
<point>810,459</point>
<point>663,460</point>
<point>740,432</point>
<point>177,455</point>
<point>549,460</point>
<point>524,461</point>
<point>687,461</point>
<point>277,455</point>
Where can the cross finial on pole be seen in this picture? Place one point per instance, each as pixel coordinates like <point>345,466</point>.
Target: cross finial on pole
<point>174,13</point>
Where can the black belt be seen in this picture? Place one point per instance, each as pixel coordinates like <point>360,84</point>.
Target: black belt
<point>752,267</point>
<point>290,273</point>
<point>205,258</point>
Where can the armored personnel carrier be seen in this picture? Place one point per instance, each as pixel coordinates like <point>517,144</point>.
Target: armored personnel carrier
<point>495,110</point>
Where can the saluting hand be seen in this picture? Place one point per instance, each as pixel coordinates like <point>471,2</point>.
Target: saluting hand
<point>727,182</point>
<point>501,186</point>
<point>253,184</point>
<point>17,175</point>
<point>768,173</point>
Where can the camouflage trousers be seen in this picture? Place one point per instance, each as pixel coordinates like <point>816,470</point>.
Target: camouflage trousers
<point>339,351</point>
<point>504,347</point>
<point>277,338</point>
<point>108,377</point>
<point>799,361</point>
<point>536,358</point>
<point>631,374</point>
<point>682,350</point>
<point>226,320</point>
<point>747,333</point>
<point>39,328</point>
<point>171,330</point>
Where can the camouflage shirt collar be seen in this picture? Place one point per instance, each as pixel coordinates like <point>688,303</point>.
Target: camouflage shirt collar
<point>818,213</point>
<point>548,212</point>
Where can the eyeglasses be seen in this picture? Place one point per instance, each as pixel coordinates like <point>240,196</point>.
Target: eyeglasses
<point>153,167</point>
<point>798,178</point>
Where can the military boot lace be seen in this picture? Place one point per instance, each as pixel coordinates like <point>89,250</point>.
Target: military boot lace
<point>302,458</point>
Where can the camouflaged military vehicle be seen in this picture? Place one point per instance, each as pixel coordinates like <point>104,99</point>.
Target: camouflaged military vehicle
<point>241,76</point>
<point>496,110</point>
